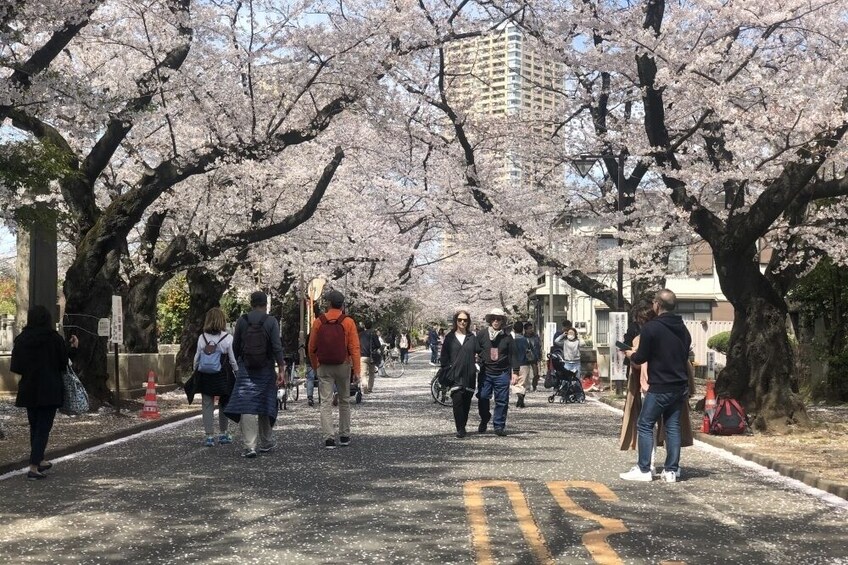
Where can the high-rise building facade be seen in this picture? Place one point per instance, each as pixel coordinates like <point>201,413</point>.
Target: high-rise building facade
<point>502,74</point>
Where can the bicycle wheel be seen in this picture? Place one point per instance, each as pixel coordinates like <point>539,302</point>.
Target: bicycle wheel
<point>294,391</point>
<point>391,369</point>
<point>439,393</point>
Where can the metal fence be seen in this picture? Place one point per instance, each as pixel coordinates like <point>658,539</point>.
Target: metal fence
<point>703,331</point>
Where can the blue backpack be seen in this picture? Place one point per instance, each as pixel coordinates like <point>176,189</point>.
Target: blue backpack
<point>210,357</point>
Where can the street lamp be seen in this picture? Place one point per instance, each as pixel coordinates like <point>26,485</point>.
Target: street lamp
<point>584,164</point>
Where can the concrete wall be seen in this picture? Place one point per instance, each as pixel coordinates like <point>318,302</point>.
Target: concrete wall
<point>132,368</point>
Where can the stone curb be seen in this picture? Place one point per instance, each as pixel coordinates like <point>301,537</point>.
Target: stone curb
<point>98,440</point>
<point>806,477</point>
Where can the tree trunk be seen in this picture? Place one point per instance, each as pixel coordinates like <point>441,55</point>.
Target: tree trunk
<point>760,360</point>
<point>205,290</point>
<point>140,330</point>
<point>86,302</point>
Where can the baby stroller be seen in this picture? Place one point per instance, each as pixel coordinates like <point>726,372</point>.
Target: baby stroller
<point>565,383</point>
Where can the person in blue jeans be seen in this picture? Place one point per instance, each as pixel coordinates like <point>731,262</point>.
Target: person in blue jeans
<point>664,344</point>
<point>499,363</point>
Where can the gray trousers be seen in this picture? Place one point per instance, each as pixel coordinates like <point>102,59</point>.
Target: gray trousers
<point>209,415</point>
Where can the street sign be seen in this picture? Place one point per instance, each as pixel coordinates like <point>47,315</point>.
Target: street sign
<point>103,327</point>
<point>711,364</point>
<point>117,321</point>
<point>617,329</point>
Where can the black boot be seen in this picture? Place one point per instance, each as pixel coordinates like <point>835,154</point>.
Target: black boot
<point>520,402</point>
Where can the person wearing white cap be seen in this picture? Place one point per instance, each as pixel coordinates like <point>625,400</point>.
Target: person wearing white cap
<point>498,354</point>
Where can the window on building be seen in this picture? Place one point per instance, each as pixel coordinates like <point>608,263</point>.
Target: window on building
<point>697,310</point>
<point>606,261</point>
<point>678,259</point>
<point>602,327</point>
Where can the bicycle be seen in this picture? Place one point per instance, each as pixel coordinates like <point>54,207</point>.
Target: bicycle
<point>296,376</point>
<point>440,394</point>
<point>391,367</point>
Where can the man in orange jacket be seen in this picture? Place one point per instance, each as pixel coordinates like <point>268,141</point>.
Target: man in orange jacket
<point>333,352</point>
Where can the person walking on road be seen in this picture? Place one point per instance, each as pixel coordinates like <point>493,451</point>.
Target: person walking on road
<point>39,356</point>
<point>433,344</point>
<point>213,376</point>
<point>369,351</point>
<point>521,385</point>
<point>664,344</point>
<point>404,343</point>
<point>534,351</point>
<point>569,344</point>
<point>458,358</point>
<point>497,354</point>
<point>335,356</point>
<point>257,345</point>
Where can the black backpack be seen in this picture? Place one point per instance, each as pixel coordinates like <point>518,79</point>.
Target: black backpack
<point>728,419</point>
<point>254,348</point>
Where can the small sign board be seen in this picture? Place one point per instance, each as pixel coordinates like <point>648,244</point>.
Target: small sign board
<point>617,329</point>
<point>117,320</point>
<point>711,364</point>
<point>103,327</point>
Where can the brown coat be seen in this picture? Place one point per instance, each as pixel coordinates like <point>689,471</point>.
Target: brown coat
<point>628,437</point>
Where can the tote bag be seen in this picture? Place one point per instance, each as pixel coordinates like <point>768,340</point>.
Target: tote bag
<point>75,401</point>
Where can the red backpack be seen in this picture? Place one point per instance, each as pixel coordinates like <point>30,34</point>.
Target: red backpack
<point>330,342</point>
<point>728,419</point>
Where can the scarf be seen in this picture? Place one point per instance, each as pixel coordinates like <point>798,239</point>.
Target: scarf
<point>493,334</point>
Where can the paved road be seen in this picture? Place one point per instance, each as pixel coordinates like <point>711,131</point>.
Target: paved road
<point>407,491</point>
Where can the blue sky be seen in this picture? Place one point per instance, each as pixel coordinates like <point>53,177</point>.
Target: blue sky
<point>7,244</point>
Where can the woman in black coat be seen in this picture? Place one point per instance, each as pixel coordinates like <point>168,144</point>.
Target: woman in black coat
<point>39,355</point>
<point>458,355</point>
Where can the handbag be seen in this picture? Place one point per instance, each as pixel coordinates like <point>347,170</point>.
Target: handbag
<point>75,400</point>
<point>444,377</point>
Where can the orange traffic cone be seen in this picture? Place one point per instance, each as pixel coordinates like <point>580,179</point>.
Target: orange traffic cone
<point>150,411</point>
<point>710,399</point>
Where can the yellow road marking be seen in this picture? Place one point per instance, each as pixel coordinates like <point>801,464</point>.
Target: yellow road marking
<point>473,491</point>
<point>595,541</point>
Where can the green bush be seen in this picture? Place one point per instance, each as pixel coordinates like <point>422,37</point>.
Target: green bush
<point>837,377</point>
<point>720,342</point>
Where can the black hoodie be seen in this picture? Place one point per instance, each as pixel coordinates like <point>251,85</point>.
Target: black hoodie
<point>39,355</point>
<point>664,343</point>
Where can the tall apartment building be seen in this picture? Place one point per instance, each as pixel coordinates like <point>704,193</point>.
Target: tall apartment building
<point>501,73</point>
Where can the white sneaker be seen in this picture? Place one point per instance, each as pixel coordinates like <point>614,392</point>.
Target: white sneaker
<point>670,476</point>
<point>636,474</point>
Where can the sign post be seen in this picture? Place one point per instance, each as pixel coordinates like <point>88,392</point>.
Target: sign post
<point>618,370</point>
<point>711,365</point>
<point>117,338</point>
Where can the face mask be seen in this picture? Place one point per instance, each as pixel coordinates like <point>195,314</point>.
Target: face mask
<point>572,337</point>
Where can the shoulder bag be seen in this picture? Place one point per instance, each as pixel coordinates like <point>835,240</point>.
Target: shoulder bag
<point>75,400</point>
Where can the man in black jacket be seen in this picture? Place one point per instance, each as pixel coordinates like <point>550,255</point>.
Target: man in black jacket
<point>497,352</point>
<point>664,344</point>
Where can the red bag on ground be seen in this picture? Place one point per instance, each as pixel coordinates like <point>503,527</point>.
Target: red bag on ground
<point>728,419</point>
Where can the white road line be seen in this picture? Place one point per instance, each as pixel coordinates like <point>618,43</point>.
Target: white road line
<point>774,476</point>
<point>11,474</point>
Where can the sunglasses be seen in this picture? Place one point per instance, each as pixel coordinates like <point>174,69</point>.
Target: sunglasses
<point>462,319</point>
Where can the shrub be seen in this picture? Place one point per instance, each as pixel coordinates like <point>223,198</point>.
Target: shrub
<point>720,342</point>
<point>837,377</point>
